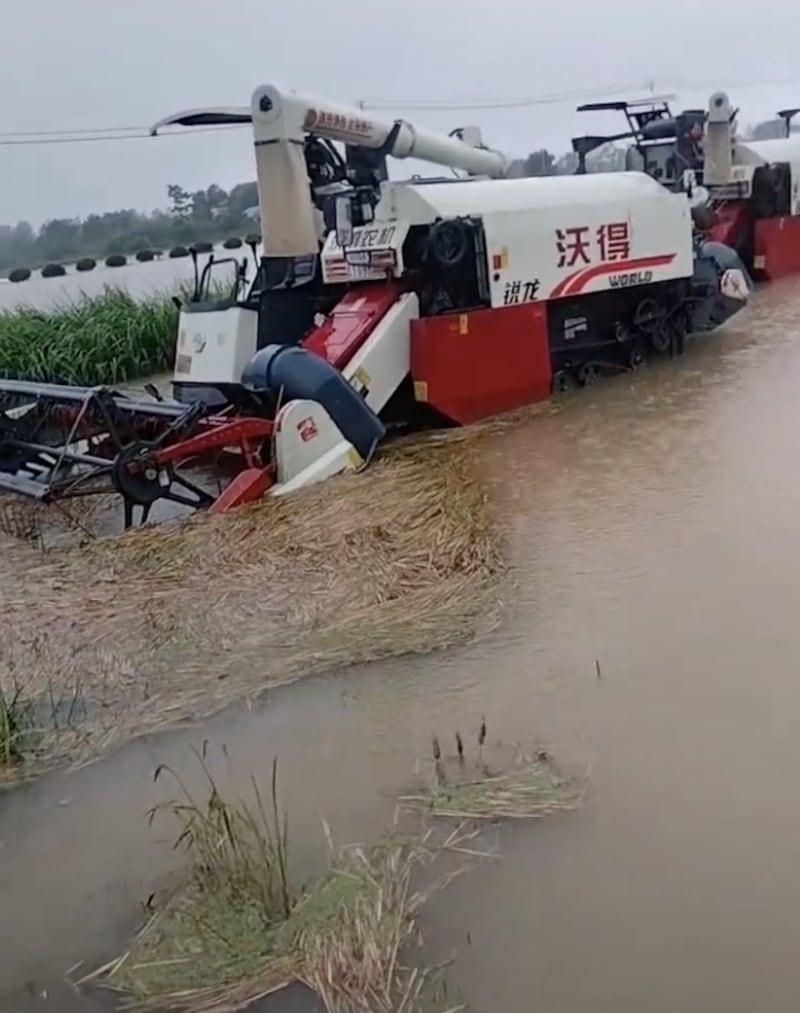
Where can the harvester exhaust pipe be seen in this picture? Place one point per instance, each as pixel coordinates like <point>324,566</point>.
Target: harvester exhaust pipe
<point>718,153</point>
<point>301,375</point>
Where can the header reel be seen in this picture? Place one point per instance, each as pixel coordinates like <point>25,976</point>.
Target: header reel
<point>61,443</point>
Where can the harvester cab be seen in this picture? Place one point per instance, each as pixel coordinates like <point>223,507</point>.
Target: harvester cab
<point>665,145</point>
<point>377,305</point>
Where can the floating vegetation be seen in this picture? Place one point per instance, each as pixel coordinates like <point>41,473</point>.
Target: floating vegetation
<point>236,931</point>
<point>522,787</point>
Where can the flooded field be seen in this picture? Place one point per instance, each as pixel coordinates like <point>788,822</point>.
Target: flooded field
<point>652,529</point>
<point>140,280</point>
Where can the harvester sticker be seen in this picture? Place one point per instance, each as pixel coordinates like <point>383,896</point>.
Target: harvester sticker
<point>373,254</point>
<point>611,241</point>
<point>517,292</point>
<point>638,271</point>
<point>630,278</point>
<point>369,238</point>
<point>602,252</point>
<point>327,119</point>
<point>307,429</point>
<point>500,260</point>
<point>734,285</point>
<point>360,381</point>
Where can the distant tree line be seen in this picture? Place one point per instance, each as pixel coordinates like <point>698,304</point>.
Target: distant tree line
<point>214,213</point>
<point>205,215</point>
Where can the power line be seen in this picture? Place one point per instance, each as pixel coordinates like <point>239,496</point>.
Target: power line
<point>554,98</point>
<point>647,86</point>
<point>90,135</point>
<point>97,134</point>
<point>65,130</point>
<point>16,140</point>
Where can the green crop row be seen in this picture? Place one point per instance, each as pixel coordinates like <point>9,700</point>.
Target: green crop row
<point>106,339</point>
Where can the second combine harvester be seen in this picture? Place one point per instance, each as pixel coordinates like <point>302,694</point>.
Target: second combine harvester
<point>379,303</point>
<point>749,189</point>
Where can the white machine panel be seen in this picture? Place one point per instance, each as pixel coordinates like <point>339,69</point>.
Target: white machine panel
<point>561,236</point>
<point>214,345</point>
<point>639,237</point>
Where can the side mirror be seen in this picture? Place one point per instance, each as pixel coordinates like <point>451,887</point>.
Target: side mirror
<point>344,221</point>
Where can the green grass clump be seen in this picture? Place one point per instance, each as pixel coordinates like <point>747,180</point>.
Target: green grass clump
<point>35,726</point>
<point>236,931</point>
<point>106,339</point>
<point>14,722</point>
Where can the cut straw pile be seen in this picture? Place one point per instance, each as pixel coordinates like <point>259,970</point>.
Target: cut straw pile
<point>131,634</point>
<point>235,932</point>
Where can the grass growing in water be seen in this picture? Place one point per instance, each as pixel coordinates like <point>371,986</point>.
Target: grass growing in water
<point>524,787</point>
<point>13,721</point>
<point>33,725</point>
<point>106,339</point>
<point>237,932</point>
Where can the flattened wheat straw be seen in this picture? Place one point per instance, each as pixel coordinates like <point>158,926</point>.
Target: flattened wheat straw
<point>171,623</point>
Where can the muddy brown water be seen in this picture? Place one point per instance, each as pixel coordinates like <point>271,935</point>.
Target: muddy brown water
<point>652,526</point>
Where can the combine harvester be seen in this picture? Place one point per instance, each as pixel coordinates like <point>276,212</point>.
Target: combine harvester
<point>378,305</point>
<point>750,188</point>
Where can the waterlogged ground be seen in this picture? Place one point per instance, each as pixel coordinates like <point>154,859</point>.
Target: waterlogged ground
<point>653,530</point>
<point>140,280</point>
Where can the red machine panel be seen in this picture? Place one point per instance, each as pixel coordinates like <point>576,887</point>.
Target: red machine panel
<point>484,362</point>
<point>351,322</point>
<point>777,247</point>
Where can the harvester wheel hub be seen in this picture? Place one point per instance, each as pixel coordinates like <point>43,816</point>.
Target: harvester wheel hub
<point>137,477</point>
<point>588,373</point>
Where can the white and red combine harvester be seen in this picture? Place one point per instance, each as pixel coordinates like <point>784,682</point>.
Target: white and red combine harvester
<point>376,305</point>
<point>750,190</point>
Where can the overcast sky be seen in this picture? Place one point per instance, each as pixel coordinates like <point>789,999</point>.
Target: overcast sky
<point>99,63</point>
